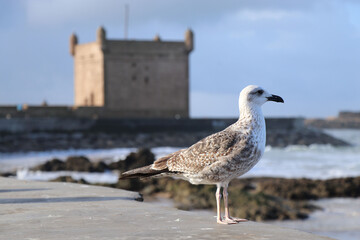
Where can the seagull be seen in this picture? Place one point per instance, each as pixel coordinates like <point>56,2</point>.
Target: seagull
<point>222,156</point>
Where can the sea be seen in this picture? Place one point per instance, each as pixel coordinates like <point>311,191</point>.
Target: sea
<point>339,219</point>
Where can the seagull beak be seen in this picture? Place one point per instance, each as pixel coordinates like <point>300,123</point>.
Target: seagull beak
<point>275,98</point>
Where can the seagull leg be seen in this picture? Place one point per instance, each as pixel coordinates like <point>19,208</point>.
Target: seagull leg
<point>218,205</point>
<point>227,217</point>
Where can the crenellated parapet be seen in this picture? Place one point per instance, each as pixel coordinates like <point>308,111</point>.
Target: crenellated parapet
<point>73,43</point>
<point>189,40</point>
<point>101,37</point>
<point>157,38</point>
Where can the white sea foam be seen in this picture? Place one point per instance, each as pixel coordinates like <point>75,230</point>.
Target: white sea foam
<point>21,162</point>
<point>316,162</point>
<point>14,161</point>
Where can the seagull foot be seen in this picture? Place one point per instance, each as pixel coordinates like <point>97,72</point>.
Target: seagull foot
<point>226,221</point>
<point>235,220</point>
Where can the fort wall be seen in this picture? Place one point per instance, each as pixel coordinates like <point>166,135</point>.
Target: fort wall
<point>147,76</point>
<point>89,75</point>
<point>9,112</point>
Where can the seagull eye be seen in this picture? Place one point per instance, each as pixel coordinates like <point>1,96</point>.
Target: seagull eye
<point>260,92</point>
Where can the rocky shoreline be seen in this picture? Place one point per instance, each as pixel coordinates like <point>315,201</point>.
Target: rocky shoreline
<point>44,141</point>
<point>254,198</point>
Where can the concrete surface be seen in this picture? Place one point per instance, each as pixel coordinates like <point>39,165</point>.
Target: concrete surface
<point>45,210</point>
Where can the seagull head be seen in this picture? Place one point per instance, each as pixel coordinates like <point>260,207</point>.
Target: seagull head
<point>256,96</point>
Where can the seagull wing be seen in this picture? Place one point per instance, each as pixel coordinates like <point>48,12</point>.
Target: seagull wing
<point>203,153</point>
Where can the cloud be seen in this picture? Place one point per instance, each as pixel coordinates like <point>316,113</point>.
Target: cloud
<point>48,12</point>
<point>261,15</point>
<point>57,12</point>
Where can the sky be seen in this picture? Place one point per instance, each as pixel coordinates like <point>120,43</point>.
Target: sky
<point>306,51</point>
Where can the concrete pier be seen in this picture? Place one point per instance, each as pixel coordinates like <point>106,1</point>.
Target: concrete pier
<point>47,210</point>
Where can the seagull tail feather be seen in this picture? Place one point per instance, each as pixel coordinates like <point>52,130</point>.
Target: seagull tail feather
<point>142,172</point>
<point>157,168</point>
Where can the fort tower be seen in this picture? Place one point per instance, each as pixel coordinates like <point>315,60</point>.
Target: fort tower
<point>133,78</point>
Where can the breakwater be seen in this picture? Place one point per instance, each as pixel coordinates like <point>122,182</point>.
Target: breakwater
<point>54,133</point>
<point>53,124</point>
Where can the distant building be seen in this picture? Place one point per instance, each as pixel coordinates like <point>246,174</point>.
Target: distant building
<point>133,78</point>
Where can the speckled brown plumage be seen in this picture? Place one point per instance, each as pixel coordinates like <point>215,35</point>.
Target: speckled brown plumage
<point>218,157</point>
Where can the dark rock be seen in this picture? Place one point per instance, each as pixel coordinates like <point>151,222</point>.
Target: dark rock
<point>115,165</point>
<point>74,163</point>
<point>141,158</point>
<point>308,189</point>
<point>52,165</point>
<point>8,174</point>
<point>99,167</point>
<point>69,179</point>
<point>78,163</point>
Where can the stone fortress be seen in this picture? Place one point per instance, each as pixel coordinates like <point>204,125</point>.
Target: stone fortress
<point>123,79</point>
<point>136,78</point>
